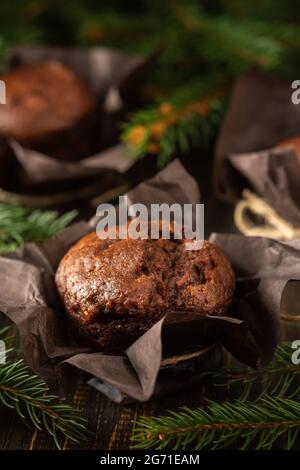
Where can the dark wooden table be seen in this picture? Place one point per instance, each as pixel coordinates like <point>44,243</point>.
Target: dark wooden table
<point>112,424</point>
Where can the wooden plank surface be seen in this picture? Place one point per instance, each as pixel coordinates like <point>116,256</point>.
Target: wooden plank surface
<point>110,424</point>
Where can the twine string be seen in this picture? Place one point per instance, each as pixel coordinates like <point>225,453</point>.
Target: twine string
<point>274,226</point>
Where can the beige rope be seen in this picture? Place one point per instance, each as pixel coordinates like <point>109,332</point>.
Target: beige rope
<point>274,227</point>
<point>290,318</point>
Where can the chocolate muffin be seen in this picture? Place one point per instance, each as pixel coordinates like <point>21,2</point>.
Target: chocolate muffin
<point>115,290</point>
<point>48,108</point>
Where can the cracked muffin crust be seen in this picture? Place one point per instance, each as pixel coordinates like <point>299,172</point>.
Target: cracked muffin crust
<point>115,290</point>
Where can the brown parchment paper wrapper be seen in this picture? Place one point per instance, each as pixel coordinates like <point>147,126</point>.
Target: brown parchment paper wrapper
<point>28,297</point>
<point>260,115</point>
<point>116,80</point>
<point>274,174</point>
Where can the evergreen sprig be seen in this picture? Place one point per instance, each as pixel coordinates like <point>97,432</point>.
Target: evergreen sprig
<point>19,224</point>
<point>273,414</point>
<point>197,40</point>
<point>217,45</point>
<point>29,396</point>
<point>190,116</point>
<point>26,393</point>
<point>218,425</point>
<point>280,378</point>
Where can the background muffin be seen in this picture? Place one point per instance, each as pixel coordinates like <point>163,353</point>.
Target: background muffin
<point>48,108</point>
<point>115,290</point>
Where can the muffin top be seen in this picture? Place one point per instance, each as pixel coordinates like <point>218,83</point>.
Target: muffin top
<point>42,99</point>
<point>100,279</point>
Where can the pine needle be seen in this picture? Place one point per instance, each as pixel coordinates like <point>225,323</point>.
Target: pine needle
<point>29,396</point>
<point>19,224</point>
<point>280,377</point>
<point>20,390</point>
<point>190,116</point>
<point>274,415</point>
<point>243,425</point>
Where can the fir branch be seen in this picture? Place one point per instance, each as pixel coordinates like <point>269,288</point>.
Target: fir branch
<point>190,116</point>
<point>18,225</point>
<point>279,378</point>
<point>224,41</point>
<point>3,331</point>
<point>29,396</point>
<point>241,422</point>
<point>220,425</point>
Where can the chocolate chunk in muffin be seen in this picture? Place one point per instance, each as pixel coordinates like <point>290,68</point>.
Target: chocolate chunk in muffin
<point>115,290</point>
<point>48,108</point>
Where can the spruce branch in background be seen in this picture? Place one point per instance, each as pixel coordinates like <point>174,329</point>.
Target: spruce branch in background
<point>191,116</point>
<point>274,414</point>
<point>29,396</point>
<point>280,378</point>
<point>201,40</point>
<point>214,45</point>
<point>19,224</point>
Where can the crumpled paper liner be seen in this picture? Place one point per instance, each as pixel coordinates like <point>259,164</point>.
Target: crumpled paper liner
<point>29,297</point>
<point>273,174</point>
<point>260,115</point>
<point>116,79</point>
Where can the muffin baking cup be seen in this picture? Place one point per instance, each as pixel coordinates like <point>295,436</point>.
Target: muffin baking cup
<point>260,116</point>
<point>183,341</point>
<point>115,79</point>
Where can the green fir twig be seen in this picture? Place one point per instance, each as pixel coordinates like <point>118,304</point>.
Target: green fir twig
<point>280,378</point>
<point>19,224</point>
<point>29,396</point>
<point>260,423</point>
<point>221,425</point>
<point>188,117</point>
<point>26,393</point>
